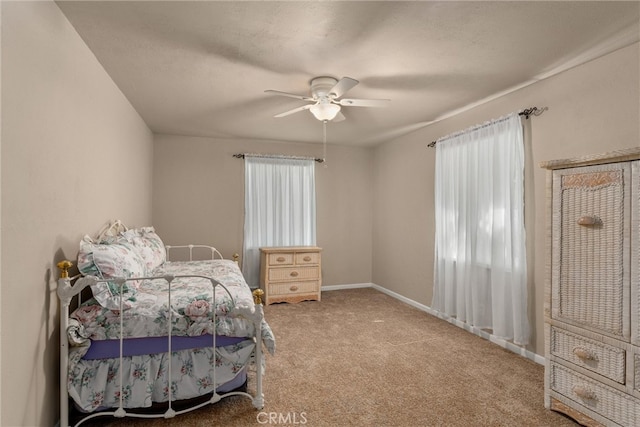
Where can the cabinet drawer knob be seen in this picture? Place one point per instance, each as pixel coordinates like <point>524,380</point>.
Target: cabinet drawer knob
<point>293,288</point>
<point>307,258</point>
<point>589,220</point>
<point>584,392</point>
<point>293,274</point>
<point>583,353</point>
<point>280,259</point>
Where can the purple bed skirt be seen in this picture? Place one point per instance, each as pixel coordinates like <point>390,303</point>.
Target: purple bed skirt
<point>110,349</point>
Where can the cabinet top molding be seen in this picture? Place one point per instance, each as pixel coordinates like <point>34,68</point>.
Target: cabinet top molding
<point>625,155</point>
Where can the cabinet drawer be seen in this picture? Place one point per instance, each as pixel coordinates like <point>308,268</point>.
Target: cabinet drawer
<point>597,357</point>
<point>280,259</point>
<point>636,373</point>
<point>606,401</point>
<point>294,273</point>
<point>290,288</point>
<point>303,258</point>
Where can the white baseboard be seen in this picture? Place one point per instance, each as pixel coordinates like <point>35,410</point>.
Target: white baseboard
<point>351,286</point>
<point>479,332</point>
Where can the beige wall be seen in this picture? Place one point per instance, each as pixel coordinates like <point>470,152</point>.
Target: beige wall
<point>74,154</point>
<point>198,197</point>
<point>593,108</point>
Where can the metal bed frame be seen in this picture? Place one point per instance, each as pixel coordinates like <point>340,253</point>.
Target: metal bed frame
<point>72,287</point>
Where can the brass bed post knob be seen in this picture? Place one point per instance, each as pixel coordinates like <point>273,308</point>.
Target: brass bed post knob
<point>257,296</point>
<point>64,267</point>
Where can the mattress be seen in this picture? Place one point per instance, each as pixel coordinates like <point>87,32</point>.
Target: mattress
<point>109,349</point>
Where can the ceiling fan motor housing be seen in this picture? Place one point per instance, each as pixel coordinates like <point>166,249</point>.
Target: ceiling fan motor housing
<point>320,86</point>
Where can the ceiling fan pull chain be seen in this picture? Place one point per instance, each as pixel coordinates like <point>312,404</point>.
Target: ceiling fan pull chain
<point>324,143</point>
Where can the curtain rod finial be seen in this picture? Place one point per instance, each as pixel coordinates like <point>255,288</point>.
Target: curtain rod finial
<point>533,111</point>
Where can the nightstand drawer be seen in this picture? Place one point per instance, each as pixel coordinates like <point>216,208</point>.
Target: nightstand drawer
<point>303,258</point>
<point>294,273</point>
<point>289,288</point>
<point>280,259</point>
<point>595,356</point>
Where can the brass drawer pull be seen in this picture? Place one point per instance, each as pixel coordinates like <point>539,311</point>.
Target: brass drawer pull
<point>307,258</point>
<point>293,274</point>
<point>589,220</point>
<point>584,392</point>
<point>583,353</point>
<point>293,288</point>
<point>281,259</point>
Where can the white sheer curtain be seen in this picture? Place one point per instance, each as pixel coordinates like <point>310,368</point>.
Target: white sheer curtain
<point>280,208</point>
<point>480,264</point>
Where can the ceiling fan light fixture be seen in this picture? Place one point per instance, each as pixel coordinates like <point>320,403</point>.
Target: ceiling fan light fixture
<point>325,110</point>
<point>326,96</point>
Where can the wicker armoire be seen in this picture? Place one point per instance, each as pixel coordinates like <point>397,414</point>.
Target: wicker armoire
<point>592,295</point>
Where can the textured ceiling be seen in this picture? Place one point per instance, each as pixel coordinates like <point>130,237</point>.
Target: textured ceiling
<point>200,68</point>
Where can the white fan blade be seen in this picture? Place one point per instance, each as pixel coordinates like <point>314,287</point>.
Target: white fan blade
<point>363,102</point>
<point>339,117</point>
<point>343,85</point>
<point>295,110</point>
<point>290,95</point>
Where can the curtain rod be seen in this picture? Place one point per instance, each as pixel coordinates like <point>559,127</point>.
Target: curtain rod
<point>527,112</point>
<point>277,156</point>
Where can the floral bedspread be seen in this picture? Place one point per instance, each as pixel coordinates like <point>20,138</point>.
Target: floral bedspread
<point>192,302</point>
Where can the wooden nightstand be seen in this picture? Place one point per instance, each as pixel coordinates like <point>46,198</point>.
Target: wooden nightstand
<point>290,273</point>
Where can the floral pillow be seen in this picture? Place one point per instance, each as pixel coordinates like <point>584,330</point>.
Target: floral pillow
<point>107,261</point>
<point>148,245</point>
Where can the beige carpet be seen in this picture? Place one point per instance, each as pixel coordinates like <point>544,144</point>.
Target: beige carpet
<point>362,358</point>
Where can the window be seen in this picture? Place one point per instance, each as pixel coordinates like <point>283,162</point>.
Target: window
<point>480,263</point>
<point>280,208</point>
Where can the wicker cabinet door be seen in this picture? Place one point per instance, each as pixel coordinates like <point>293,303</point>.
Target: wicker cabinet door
<point>590,248</point>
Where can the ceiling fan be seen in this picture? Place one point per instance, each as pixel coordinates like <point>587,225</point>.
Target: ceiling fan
<point>325,94</point>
